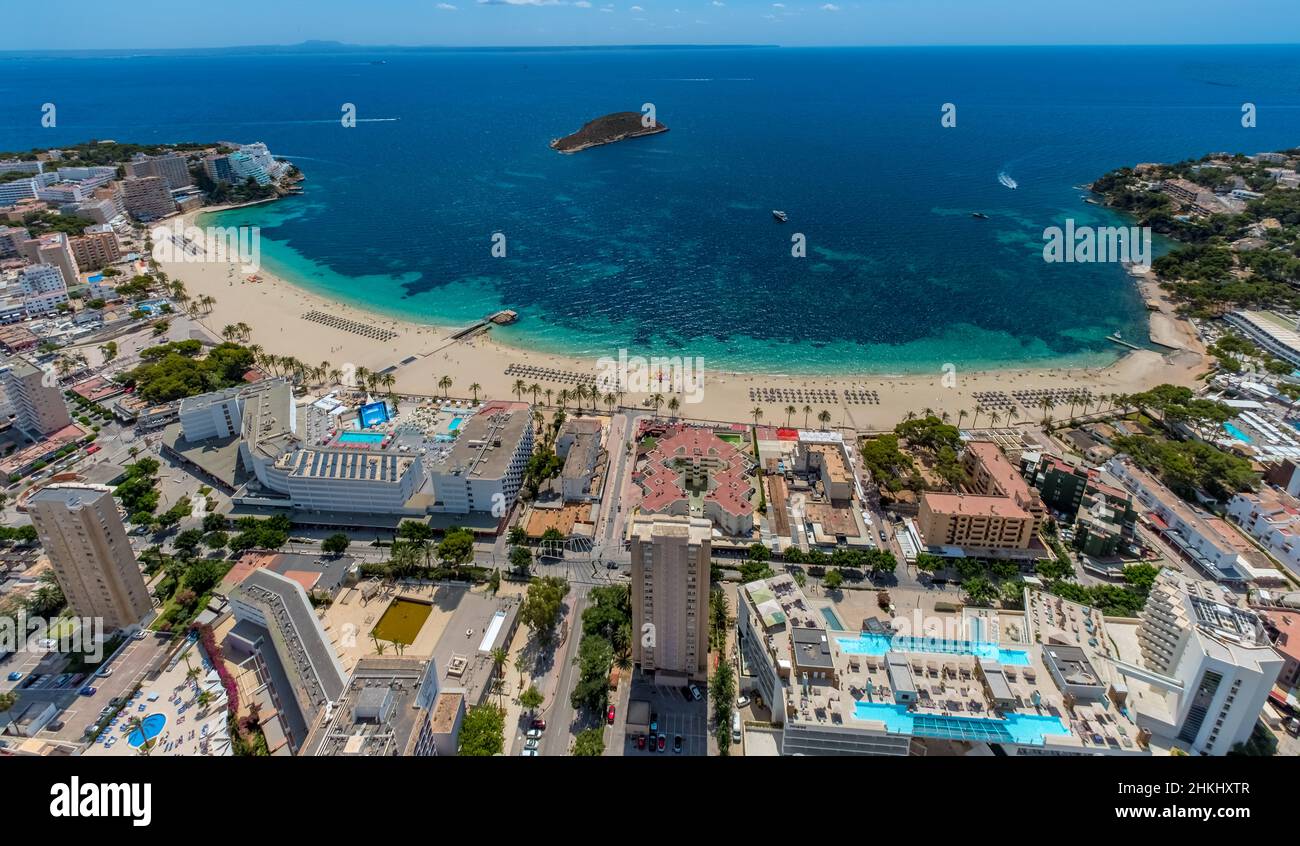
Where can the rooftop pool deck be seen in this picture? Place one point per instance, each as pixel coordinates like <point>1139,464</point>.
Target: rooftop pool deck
<point>1020,729</point>
<point>874,644</point>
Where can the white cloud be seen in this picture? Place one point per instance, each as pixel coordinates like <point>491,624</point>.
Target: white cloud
<point>718,3</point>
<point>446,7</point>
<point>778,5</point>
<point>521,3</point>
<point>637,9</point>
<point>830,7</point>
<point>582,4</point>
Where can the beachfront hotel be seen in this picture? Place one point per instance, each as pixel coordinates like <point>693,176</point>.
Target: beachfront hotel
<point>670,596</point>
<point>1198,666</point>
<point>81,532</point>
<point>877,692</point>
<point>484,468</point>
<point>256,428</point>
<point>691,472</point>
<point>1000,513</point>
<point>148,198</point>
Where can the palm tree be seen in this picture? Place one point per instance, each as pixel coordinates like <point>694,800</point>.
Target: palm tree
<point>994,418</point>
<point>658,400</point>
<point>824,418</point>
<point>756,413</point>
<point>563,397</point>
<point>1046,404</point>
<point>579,394</point>
<point>535,389</point>
<point>610,399</point>
<point>1012,413</point>
<point>789,411</point>
<point>974,423</point>
<point>549,393</point>
<point>961,415</point>
<point>7,701</point>
<point>445,384</point>
<point>673,405</point>
<point>807,409</point>
<point>519,387</point>
<point>475,387</point>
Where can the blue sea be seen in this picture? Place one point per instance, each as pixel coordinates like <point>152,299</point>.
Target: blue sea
<point>666,245</point>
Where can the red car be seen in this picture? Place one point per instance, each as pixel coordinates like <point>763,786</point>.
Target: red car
<point>609,715</point>
<point>539,724</point>
<point>663,742</point>
<point>640,741</point>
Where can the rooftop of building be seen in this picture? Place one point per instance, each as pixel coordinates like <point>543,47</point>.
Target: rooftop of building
<point>291,612</point>
<point>486,443</point>
<point>377,712</point>
<point>729,482</point>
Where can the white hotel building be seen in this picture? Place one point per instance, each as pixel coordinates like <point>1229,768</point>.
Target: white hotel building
<point>1201,668</point>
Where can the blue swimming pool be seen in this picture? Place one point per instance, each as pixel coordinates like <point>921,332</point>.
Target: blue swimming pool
<point>1236,433</point>
<point>873,644</point>
<point>150,727</point>
<point>368,438</point>
<point>455,423</point>
<point>1022,729</point>
<point>831,620</point>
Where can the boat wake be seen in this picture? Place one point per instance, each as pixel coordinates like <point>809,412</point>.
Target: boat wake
<point>1006,180</point>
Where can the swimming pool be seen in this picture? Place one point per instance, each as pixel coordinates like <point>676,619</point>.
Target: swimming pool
<point>367,438</point>
<point>1236,433</point>
<point>455,423</point>
<point>150,727</point>
<point>1021,729</point>
<point>831,620</point>
<point>873,644</point>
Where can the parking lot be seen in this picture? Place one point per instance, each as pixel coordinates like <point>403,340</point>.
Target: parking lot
<point>79,711</point>
<point>677,714</point>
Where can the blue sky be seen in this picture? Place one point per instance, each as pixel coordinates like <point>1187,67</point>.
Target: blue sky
<point>88,24</point>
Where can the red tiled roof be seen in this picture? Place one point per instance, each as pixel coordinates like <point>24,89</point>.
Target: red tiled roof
<point>726,467</point>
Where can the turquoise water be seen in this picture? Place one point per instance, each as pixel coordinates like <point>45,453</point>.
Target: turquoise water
<point>1236,433</point>
<point>398,212</point>
<point>455,423</point>
<point>871,644</point>
<point>150,727</point>
<point>368,438</point>
<point>1022,729</point>
<point>831,620</point>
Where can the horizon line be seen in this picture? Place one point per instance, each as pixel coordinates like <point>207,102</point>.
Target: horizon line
<point>340,46</point>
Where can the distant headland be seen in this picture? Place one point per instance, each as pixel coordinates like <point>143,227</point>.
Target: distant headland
<point>618,126</point>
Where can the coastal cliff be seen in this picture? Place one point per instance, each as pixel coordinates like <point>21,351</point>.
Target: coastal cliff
<point>609,129</point>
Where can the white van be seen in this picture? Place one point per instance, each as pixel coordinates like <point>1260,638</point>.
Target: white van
<point>735,726</point>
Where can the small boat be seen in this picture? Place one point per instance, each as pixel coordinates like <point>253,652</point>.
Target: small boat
<point>1007,181</point>
<point>781,217</point>
<point>979,215</point>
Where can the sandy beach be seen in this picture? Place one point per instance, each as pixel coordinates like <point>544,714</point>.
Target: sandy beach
<point>275,309</point>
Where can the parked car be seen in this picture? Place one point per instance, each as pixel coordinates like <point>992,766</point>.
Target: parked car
<point>530,753</point>
<point>104,672</point>
<point>531,744</point>
<point>88,690</point>
<point>695,692</point>
<point>534,734</point>
<point>663,742</point>
<point>539,723</point>
<point>677,744</point>
<point>609,715</point>
<point>15,676</point>
<point>742,701</point>
<point>640,741</point>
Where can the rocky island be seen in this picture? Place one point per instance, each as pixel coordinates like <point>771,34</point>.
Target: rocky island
<point>618,126</point>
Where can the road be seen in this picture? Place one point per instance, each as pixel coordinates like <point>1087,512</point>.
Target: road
<point>559,714</point>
